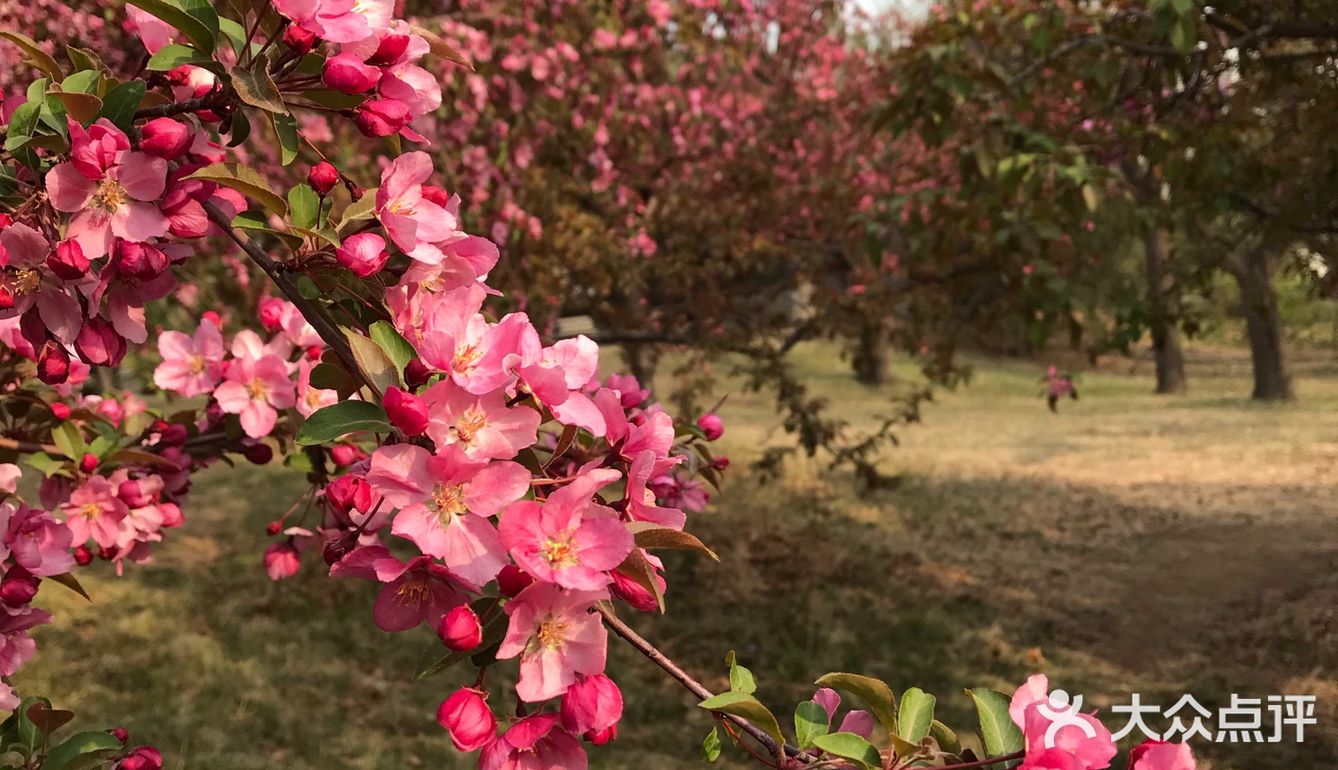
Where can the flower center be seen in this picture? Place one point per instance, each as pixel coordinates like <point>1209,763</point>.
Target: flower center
<point>469,424</point>
<point>413,593</point>
<point>552,633</point>
<point>257,389</point>
<point>449,501</point>
<point>559,552</point>
<point>26,280</point>
<point>466,357</point>
<point>90,510</point>
<point>110,195</point>
<point>197,364</point>
<point>400,207</point>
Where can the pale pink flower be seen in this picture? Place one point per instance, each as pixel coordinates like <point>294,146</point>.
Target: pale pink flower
<point>153,32</point>
<point>340,21</point>
<point>16,646</point>
<point>36,541</point>
<point>641,504</point>
<point>1161,755</point>
<point>95,511</point>
<point>191,365</point>
<point>568,539</point>
<point>257,385</point>
<point>556,637</point>
<point>109,191</point>
<point>311,399</point>
<point>535,743</point>
<point>412,221</point>
<point>483,426</point>
<point>444,502</point>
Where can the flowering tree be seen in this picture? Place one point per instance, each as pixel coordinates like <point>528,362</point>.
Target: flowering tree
<point>482,477</point>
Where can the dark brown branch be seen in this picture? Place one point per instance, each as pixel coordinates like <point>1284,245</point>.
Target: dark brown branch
<point>31,447</point>
<point>652,653</point>
<point>332,336</point>
<point>986,762</point>
<point>180,108</point>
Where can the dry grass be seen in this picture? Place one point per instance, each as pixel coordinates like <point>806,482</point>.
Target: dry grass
<point>1129,543</point>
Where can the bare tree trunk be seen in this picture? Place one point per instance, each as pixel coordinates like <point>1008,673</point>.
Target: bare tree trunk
<point>1166,348</point>
<point>1253,271</point>
<point>871,353</point>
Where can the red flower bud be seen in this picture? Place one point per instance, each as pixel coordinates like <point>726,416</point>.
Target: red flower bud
<point>299,40</point>
<point>381,117</point>
<point>212,317</point>
<point>141,758</point>
<point>512,580</point>
<point>348,493</point>
<point>120,733</point>
<point>720,463</point>
<point>460,630</point>
<point>60,411</point>
<point>635,594</point>
<point>468,719</point>
<point>273,528</point>
<point>68,261</point>
<point>271,313</point>
<point>323,177</point>
<point>258,453</point>
<point>98,344</point>
<point>591,705</point>
<point>108,553</point>
<point>712,426</point>
<point>18,587</point>
<point>345,455</point>
<point>140,260</point>
<point>82,556</point>
<point>406,411</point>
<point>346,73</point>
<point>165,138</point>
<point>364,254</point>
<point>436,195</point>
<point>88,463</point>
<point>171,515</point>
<point>416,373</point>
<point>601,737</point>
<point>389,50</point>
<point>53,365</point>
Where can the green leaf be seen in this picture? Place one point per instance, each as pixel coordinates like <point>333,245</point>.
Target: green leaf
<point>174,55</point>
<point>285,130</point>
<point>945,737</point>
<point>329,423</point>
<point>246,181</point>
<point>362,208</point>
<point>34,54</point>
<point>69,440</point>
<point>810,721</point>
<point>119,104</point>
<point>84,59</point>
<point>1182,7</point>
<point>255,87</point>
<point>90,744</point>
<point>916,715</point>
<point>743,705</point>
<point>44,463</point>
<point>195,18</point>
<point>71,582</point>
<point>711,745</point>
<point>850,746</point>
<point>1001,736</point>
<point>874,692</point>
<point>651,536</point>
<point>303,204</point>
<point>375,365</point>
<point>741,679</point>
<point>393,344</point>
<point>234,32</point>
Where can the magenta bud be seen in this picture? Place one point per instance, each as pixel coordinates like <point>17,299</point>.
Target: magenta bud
<point>512,580</point>
<point>323,177</point>
<point>466,716</point>
<point>141,260</point>
<point>68,261</point>
<point>135,494</point>
<point>416,373</point>
<point>98,344</point>
<point>389,50</point>
<point>53,365</point>
<point>712,426</point>
<point>88,463</point>
<point>592,704</point>
<point>364,254</point>
<point>258,453</point>
<point>18,587</point>
<point>347,74</point>
<point>120,733</point>
<point>381,117</point>
<point>82,556</point>
<point>141,758</point>
<point>348,493</point>
<point>460,630</point>
<point>345,455</point>
<point>165,138</point>
<point>299,40</point>
<point>436,195</point>
<point>406,411</point>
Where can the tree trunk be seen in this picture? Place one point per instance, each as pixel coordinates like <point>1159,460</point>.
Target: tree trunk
<point>1161,315</point>
<point>1263,326</point>
<point>871,354</point>
<point>640,362</point>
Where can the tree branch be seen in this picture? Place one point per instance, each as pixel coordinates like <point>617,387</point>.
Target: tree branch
<point>332,336</point>
<point>179,108</point>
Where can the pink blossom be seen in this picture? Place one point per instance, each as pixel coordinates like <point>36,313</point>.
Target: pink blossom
<point>413,222</point>
<point>364,254</point>
<point>592,705</point>
<point>339,21</point>
<point>36,541</point>
<point>712,426</point>
<point>1161,755</point>
<point>466,716</point>
<point>416,592</point>
<point>641,504</point>
<point>535,743</point>
<point>311,399</point>
<point>444,502</point>
<point>16,646</point>
<point>191,365</point>
<point>256,387</point>
<point>483,426</point>
<point>568,539</point>
<point>1094,752</point>
<point>95,511</point>
<point>1051,759</point>
<point>282,561</point>
<point>556,637</point>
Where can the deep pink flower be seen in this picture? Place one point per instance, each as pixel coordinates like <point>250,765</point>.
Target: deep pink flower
<point>556,637</point>
<point>1093,751</point>
<point>633,592</point>
<point>364,254</point>
<point>68,261</point>
<point>416,592</point>
<point>466,716</point>
<point>95,511</point>
<point>166,138</point>
<point>592,705</point>
<point>282,561</point>
<point>1051,759</point>
<point>323,177</point>
<point>568,539</point>
<point>339,21</point>
<point>348,74</point>
<point>641,504</point>
<point>535,743</point>
<point>406,411</point>
<point>141,758</point>
<point>483,426</point>
<point>413,222</point>
<point>191,365</point>
<point>98,344</point>
<point>444,502</point>
<point>381,117</point>
<point>1161,755</point>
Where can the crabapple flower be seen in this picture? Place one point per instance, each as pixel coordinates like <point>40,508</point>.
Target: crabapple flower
<point>191,364</point>
<point>381,117</point>
<point>466,716</point>
<point>568,539</point>
<point>348,74</point>
<point>1051,759</point>
<point>412,221</point>
<point>94,511</point>
<point>1161,755</point>
<point>414,592</point>
<point>406,411</point>
<point>483,426</point>
<point>255,388</point>
<point>282,561</point>
<point>339,21</point>
<point>592,706</point>
<point>534,743</point>
<point>16,646</point>
<point>323,177</point>
<point>641,499</point>
<point>444,502</point>
<point>108,188</point>
<point>556,637</point>
<point>36,541</point>
<point>460,630</point>
<point>1092,746</point>
<point>364,254</point>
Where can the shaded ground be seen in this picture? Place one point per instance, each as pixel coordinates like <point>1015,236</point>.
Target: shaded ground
<point>1129,543</point>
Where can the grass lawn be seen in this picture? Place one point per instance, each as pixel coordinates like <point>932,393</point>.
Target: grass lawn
<point>1130,543</point>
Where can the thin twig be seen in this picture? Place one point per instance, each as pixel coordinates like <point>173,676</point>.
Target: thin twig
<point>179,108</point>
<point>986,762</point>
<point>30,447</point>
